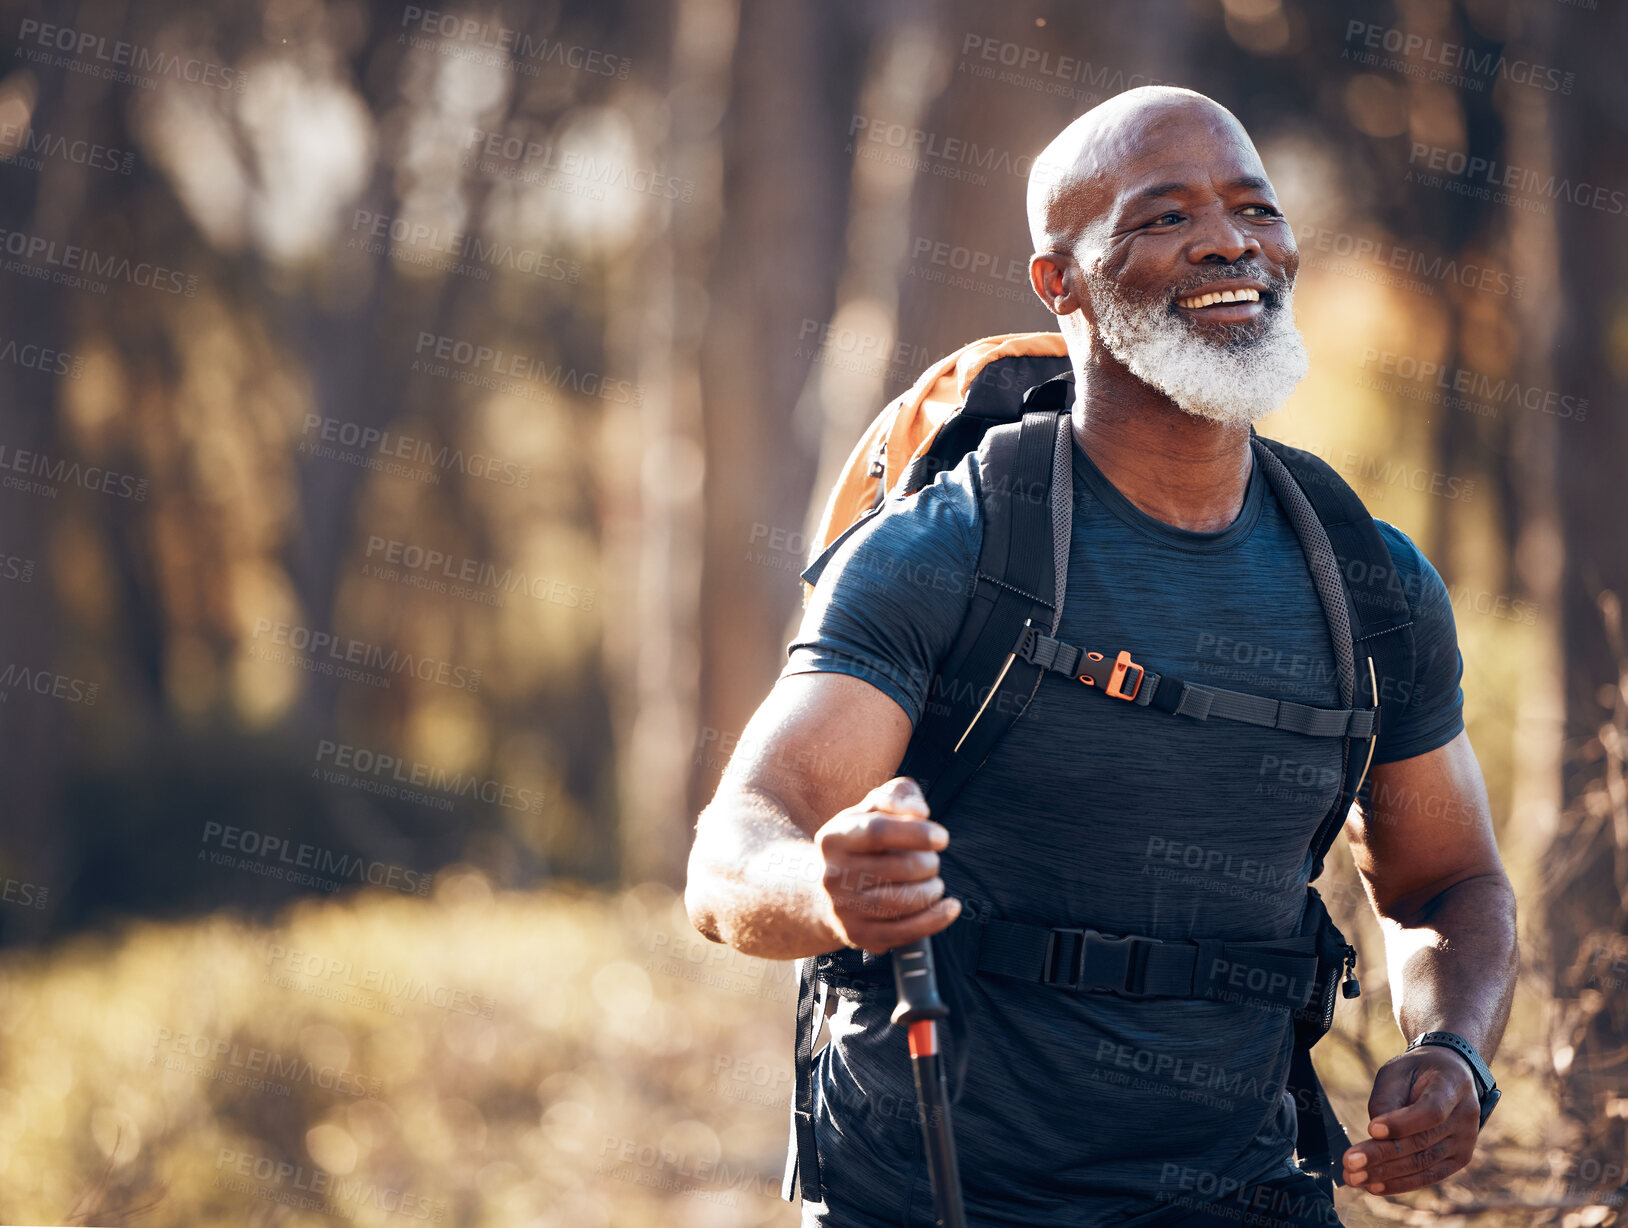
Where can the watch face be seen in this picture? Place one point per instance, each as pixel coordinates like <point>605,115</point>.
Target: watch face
<point>1490,1102</point>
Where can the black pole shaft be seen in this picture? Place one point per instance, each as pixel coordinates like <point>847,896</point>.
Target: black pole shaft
<point>920,1008</point>
<point>938,1134</point>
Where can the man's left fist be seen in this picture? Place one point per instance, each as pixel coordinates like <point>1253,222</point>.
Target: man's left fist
<point>1424,1117</point>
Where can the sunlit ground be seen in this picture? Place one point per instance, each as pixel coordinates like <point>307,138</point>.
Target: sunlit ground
<point>567,1060</point>
<point>470,1059</point>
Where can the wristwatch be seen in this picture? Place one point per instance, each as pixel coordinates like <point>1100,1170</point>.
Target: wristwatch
<point>1485,1086</point>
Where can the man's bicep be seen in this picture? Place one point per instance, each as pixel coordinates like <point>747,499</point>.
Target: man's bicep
<point>885,608</point>
<point>889,602</point>
<point>1424,826</point>
<point>818,743</point>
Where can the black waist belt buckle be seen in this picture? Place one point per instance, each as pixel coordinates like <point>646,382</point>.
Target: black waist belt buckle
<point>1095,960</point>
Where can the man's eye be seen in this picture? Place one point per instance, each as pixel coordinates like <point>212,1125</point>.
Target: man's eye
<point>1265,210</point>
<point>1166,219</point>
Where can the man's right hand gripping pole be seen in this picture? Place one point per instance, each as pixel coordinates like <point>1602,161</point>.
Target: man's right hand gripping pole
<point>881,886</point>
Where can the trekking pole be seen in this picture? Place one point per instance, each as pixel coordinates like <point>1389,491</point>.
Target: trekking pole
<point>920,1008</point>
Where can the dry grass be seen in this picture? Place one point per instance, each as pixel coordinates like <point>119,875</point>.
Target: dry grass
<point>567,1059</point>
<point>585,1099</point>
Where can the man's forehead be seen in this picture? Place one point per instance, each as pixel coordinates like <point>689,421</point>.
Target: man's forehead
<point>1178,177</point>
<point>1145,143</point>
<point>1111,187</point>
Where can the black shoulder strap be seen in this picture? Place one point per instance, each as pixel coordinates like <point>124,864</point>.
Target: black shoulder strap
<point>1377,611</point>
<point>1026,503</point>
<point>1378,602</point>
<point>1377,624</point>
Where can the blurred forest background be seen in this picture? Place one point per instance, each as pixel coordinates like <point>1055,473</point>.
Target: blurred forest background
<point>410,422</point>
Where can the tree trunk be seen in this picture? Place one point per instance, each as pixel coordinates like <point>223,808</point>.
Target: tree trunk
<point>1587,903</point>
<point>661,636</point>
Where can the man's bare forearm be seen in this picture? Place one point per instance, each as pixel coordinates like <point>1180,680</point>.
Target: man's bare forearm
<point>761,895</point>
<point>1453,962</point>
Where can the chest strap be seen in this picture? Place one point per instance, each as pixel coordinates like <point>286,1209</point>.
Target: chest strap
<point>1278,972</point>
<point>1122,678</point>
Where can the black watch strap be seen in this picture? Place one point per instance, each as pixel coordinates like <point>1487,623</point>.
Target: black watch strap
<point>1486,1087</point>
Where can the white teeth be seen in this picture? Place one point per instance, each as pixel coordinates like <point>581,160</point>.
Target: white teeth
<point>1223,296</point>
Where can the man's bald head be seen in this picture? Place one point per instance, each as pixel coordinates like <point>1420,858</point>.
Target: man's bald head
<point>1075,181</point>
<point>1160,247</point>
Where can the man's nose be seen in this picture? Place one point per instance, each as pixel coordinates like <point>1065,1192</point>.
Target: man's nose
<point>1221,238</point>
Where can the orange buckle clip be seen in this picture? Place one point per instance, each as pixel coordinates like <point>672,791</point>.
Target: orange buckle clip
<point>1116,681</point>
<point>1115,685</point>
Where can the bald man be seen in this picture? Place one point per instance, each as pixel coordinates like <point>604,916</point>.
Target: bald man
<point>1162,251</point>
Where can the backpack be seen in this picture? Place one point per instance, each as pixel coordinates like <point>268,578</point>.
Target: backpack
<point>1009,398</point>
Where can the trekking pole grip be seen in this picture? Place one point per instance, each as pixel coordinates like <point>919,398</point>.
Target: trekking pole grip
<point>917,983</point>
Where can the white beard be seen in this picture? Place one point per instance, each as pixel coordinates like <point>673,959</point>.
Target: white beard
<point>1236,380</point>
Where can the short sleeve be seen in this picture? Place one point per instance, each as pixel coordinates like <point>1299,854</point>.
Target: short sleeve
<point>1433,714</point>
<point>889,599</point>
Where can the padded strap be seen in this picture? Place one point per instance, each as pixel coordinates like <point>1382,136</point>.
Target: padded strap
<point>1274,973</point>
<point>1031,552</point>
<point>1378,603</point>
<point>1062,512</point>
<point>1366,619</point>
<point>1320,561</point>
<point>982,688</point>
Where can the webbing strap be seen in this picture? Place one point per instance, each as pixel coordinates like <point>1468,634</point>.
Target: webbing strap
<point>803,1157</point>
<point>1197,700</point>
<point>1320,1139</point>
<point>1278,972</point>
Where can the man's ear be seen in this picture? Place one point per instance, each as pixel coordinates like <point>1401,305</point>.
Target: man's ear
<point>1053,276</point>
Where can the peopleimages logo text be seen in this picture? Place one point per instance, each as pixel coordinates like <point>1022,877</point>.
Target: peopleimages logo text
<point>919,143</point>
<point>515,364</point>
<point>1456,163</point>
<point>87,477</point>
<point>467,571</point>
<point>365,655</point>
<point>513,157</point>
<point>77,267</point>
<point>271,850</point>
<point>527,49</point>
<point>1460,61</point>
<point>115,55</point>
<point>28,145</point>
<point>379,765</point>
<point>465,247</point>
<point>1103,78</point>
<point>317,1189</point>
<point>224,1052</point>
<point>392,445</point>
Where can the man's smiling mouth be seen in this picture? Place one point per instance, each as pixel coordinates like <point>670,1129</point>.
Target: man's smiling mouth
<point>1218,297</point>
<point>1235,300</point>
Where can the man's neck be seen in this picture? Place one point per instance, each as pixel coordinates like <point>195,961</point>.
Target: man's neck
<point>1180,469</point>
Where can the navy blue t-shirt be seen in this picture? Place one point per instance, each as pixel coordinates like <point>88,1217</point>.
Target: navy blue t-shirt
<point>1089,1108</point>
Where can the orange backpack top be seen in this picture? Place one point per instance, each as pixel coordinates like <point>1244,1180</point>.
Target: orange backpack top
<point>904,430</point>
